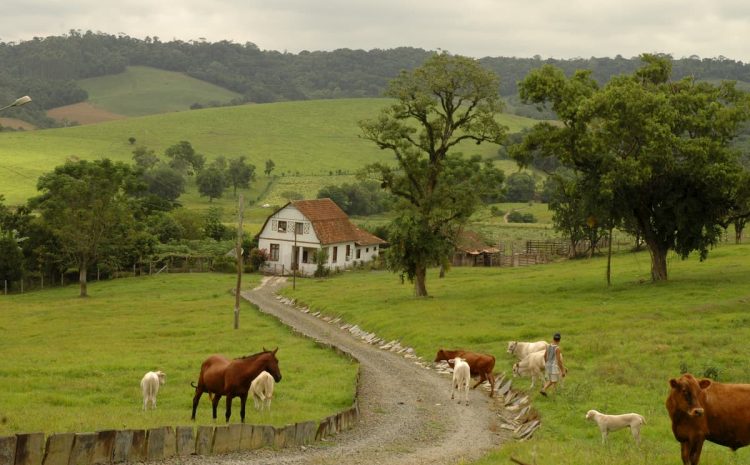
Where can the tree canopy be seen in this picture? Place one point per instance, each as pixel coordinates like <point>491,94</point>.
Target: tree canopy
<point>86,206</point>
<point>657,152</point>
<point>448,100</point>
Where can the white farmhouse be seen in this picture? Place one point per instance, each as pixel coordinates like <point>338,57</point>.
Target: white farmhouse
<point>302,227</point>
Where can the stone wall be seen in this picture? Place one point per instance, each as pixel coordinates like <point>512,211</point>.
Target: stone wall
<point>107,447</point>
<point>122,446</point>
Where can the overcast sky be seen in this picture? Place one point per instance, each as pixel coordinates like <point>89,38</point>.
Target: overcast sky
<point>477,28</point>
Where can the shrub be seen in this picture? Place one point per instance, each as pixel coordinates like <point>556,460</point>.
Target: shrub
<point>518,217</point>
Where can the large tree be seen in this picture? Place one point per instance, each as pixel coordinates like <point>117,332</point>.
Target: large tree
<point>448,100</point>
<point>658,150</point>
<point>85,205</point>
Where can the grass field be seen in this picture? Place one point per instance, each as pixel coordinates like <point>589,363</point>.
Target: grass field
<point>142,90</point>
<point>312,138</point>
<point>72,364</point>
<point>622,344</point>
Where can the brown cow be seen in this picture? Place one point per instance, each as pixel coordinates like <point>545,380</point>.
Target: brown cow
<point>706,410</point>
<point>479,364</point>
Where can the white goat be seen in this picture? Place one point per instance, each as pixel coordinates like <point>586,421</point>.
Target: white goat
<point>150,387</point>
<point>522,349</point>
<point>461,378</point>
<point>609,423</point>
<point>532,365</point>
<point>262,390</point>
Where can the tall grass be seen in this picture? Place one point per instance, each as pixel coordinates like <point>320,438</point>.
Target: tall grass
<point>622,344</point>
<point>72,364</point>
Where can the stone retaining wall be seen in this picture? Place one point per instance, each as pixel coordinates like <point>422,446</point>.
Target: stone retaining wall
<point>107,447</point>
<point>121,446</point>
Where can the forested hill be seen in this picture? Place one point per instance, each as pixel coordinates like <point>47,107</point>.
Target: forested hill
<point>47,68</point>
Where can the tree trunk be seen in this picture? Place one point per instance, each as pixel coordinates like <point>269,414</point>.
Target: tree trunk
<point>82,280</point>
<point>420,289</point>
<point>609,258</point>
<point>658,260</point>
<point>739,226</point>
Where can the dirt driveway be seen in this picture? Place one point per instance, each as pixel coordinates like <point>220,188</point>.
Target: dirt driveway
<point>406,415</point>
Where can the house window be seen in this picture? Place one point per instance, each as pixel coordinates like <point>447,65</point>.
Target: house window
<point>348,252</point>
<point>282,226</point>
<point>299,228</point>
<point>274,253</point>
<point>367,250</point>
<point>334,256</point>
<point>359,253</point>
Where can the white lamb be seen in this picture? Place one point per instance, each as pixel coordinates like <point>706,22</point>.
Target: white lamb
<point>262,390</point>
<point>522,349</point>
<point>609,423</point>
<point>461,378</point>
<point>150,387</point>
<point>532,365</point>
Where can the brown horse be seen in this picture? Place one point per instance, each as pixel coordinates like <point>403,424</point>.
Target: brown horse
<point>231,378</point>
<point>479,364</point>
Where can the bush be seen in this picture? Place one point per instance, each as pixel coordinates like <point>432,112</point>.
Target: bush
<point>518,217</point>
<point>258,258</point>
<point>496,211</point>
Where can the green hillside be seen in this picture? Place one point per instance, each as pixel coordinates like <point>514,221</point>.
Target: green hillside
<point>142,90</point>
<point>303,138</point>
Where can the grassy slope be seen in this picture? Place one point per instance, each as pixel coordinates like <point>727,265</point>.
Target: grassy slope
<point>142,90</point>
<point>622,344</point>
<point>312,138</point>
<point>72,364</point>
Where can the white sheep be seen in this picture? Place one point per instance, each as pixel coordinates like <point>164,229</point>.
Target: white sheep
<point>461,378</point>
<point>150,387</point>
<point>522,349</point>
<point>609,423</point>
<point>262,391</point>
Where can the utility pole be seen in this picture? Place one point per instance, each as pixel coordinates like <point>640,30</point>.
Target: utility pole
<point>294,260</point>
<point>238,252</point>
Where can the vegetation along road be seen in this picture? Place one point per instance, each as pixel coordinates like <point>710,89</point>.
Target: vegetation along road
<point>406,415</point>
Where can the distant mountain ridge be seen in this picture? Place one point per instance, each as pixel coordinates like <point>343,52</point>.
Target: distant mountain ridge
<point>49,69</point>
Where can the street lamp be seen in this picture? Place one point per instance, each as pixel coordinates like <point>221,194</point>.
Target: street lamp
<point>19,101</point>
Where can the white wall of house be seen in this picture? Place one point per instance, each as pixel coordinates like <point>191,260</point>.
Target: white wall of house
<point>278,239</point>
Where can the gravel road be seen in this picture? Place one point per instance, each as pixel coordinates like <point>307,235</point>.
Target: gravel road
<point>406,415</point>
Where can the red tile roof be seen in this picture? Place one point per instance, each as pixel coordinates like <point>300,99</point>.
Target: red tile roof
<point>331,224</point>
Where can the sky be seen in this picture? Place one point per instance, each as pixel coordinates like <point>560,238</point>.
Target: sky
<point>475,28</point>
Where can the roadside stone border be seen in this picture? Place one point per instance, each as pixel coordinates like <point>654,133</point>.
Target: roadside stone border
<point>514,407</point>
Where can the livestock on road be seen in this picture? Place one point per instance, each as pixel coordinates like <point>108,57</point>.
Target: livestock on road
<point>461,379</point>
<point>150,387</point>
<point>480,365</point>
<point>609,423</point>
<point>705,410</point>
<point>232,378</point>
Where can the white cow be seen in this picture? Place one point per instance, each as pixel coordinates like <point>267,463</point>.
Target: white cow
<point>262,390</point>
<point>532,365</point>
<point>150,387</point>
<point>461,378</point>
<point>609,423</point>
<point>522,349</point>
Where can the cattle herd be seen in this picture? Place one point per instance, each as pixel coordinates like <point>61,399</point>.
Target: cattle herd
<point>700,409</point>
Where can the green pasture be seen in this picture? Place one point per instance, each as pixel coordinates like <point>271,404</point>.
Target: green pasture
<point>621,343</point>
<point>310,138</point>
<point>141,90</point>
<point>72,364</point>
